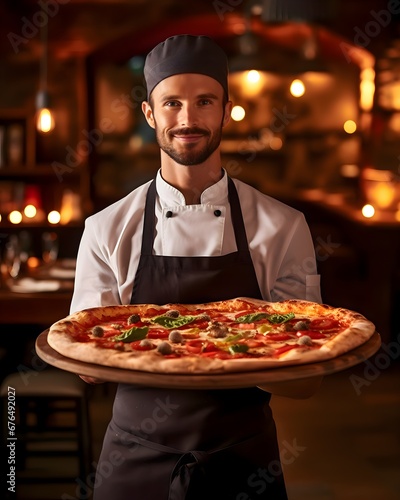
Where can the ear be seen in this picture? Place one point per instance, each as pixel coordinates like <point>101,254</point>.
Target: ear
<point>227,113</point>
<point>148,113</point>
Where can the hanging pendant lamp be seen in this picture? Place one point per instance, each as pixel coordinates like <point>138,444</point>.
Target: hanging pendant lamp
<point>44,118</point>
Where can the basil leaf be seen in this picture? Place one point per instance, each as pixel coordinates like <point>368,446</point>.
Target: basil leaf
<point>249,318</point>
<point>235,348</point>
<point>134,333</point>
<point>272,318</point>
<point>280,318</point>
<point>168,322</point>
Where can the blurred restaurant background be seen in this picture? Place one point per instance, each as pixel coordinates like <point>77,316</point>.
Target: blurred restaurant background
<point>316,124</point>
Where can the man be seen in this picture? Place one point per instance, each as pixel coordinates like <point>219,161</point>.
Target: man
<point>192,235</point>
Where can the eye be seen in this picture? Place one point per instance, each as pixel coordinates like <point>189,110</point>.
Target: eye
<point>205,102</point>
<point>172,104</point>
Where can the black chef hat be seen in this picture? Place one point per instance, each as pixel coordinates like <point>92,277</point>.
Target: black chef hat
<point>186,54</point>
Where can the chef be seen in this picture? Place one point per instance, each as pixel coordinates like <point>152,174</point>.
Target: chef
<point>191,235</point>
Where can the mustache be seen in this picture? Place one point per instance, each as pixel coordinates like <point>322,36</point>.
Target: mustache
<point>189,131</point>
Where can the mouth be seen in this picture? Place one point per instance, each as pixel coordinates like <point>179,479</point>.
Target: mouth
<point>188,136</point>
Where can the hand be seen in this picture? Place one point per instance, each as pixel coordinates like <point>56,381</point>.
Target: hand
<point>296,389</point>
<point>91,380</point>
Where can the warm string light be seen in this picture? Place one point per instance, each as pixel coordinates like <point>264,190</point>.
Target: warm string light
<point>297,88</point>
<point>238,113</point>
<point>350,126</point>
<point>368,211</point>
<point>253,76</point>
<point>15,217</point>
<point>54,217</point>
<point>30,211</point>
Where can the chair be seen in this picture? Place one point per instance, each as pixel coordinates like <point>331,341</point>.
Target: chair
<point>51,419</point>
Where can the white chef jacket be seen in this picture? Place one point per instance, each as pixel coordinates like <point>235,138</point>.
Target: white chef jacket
<point>278,236</point>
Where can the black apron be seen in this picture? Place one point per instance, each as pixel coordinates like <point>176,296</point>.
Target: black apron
<point>165,444</point>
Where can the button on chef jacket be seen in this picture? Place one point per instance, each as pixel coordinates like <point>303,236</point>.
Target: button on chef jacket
<point>278,236</point>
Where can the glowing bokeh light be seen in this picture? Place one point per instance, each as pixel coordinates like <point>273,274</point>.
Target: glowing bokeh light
<point>253,76</point>
<point>33,262</point>
<point>238,113</point>
<point>45,121</point>
<point>54,217</point>
<point>297,88</point>
<point>368,211</point>
<point>350,126</point>
<point>30,211</point>
<point>15,217</point>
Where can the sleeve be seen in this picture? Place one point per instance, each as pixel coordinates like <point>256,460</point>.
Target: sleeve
<point>297,276</point>
<point>95,280</point>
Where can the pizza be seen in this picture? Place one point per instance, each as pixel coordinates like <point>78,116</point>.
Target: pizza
<point>234,335</point>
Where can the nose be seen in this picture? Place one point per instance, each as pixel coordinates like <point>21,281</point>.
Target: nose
<point>188,116</point>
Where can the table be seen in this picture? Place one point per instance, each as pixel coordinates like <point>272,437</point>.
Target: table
<point>36,307</point>
<point>33,308</point>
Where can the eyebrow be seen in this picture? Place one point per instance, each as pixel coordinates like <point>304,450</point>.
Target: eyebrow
<point>171,97</point>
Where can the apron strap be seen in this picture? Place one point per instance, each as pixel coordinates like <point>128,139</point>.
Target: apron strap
<point>149,220</point>
<point>236,216</point>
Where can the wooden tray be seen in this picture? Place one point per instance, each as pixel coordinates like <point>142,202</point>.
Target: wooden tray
<point>212,381</point>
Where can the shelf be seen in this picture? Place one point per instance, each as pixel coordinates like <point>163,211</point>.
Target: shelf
<point>38,170</point>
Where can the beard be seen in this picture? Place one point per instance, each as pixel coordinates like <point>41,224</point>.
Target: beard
<point>190,154</point>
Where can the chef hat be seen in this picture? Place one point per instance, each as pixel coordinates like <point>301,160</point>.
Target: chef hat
<point>186,54</point>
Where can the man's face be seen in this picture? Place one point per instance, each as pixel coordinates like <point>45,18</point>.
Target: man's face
<point>188,115</point>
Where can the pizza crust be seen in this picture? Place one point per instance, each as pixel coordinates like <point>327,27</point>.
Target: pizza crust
<point>61,338</point>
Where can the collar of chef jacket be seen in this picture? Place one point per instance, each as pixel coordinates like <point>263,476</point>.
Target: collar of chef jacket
<point>202,229</point>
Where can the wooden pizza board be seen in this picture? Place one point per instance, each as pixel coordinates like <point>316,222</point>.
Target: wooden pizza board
<point>209,381</point>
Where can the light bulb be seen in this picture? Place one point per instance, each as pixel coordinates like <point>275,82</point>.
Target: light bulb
<point>30,211</point>
<point>368,211</point>
<point>253,76</point>
<point>238,113</point>
<point>350,126</point>
<point>45,121</point>
<point>297,88</point>
<point>15,217</point>
<point>54,217</point>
